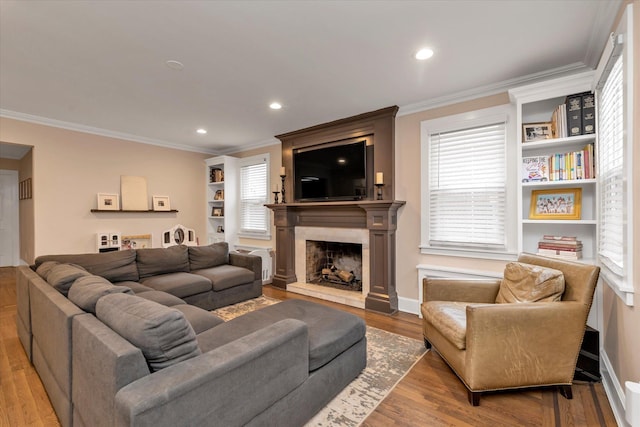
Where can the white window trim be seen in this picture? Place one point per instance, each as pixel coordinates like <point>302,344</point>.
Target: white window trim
<point>246,161</point>
<point>470,119</point>
<point>622,284</point>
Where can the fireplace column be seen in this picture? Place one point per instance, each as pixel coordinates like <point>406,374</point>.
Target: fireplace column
<point>382,224</point>
<point>285,222</point>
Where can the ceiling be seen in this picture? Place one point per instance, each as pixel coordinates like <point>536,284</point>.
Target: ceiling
<point>100,66</point>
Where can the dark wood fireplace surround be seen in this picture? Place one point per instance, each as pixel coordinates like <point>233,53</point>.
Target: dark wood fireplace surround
<point>377,216</point>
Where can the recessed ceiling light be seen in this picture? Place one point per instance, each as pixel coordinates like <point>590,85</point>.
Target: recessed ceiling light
<point>275,106</point>
<point>423,54</point>
<point>202,131</point>
<point>175,65</point>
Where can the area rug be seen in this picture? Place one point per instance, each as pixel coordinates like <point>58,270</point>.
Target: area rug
<point>389,358</point>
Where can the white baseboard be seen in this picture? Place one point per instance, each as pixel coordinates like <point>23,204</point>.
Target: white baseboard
<point>409,305</point>
<point>613,389</point>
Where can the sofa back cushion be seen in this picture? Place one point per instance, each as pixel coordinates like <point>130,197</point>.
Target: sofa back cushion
<point>86,291</point>
<point>163,334</point>
<point>530,283</point>
<point>152,262</point>
<point>115,266</point>
<point>201,257</point>
<point>62,276</point>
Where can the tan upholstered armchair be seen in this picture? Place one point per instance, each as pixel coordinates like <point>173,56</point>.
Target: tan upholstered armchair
<point>493,346</point>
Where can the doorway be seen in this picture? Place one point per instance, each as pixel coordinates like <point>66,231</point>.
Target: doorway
<point>9,226</point>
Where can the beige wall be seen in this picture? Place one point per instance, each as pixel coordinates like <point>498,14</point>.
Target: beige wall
<point>622,323</point>
<point>26,212</point>
<point>70,168</point>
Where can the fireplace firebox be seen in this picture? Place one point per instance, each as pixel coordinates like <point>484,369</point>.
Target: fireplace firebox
<point>334,264</point>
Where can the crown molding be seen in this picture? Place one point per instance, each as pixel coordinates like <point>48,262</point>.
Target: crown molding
<point>101,132</point>
<point>491,89</point>
<point>260,144</point>
<point>606,14</point>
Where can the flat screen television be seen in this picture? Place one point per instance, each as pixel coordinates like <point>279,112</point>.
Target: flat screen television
<point>328,172</point>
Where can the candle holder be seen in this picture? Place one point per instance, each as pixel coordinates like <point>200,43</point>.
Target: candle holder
<point>379,190</point>
<point>275,197</point>
<point>282,177</point>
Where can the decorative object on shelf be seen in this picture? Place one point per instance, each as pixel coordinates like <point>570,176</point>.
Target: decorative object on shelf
<point>217,212</point>
<point>219,195</point>
<point>137,241</point>
<point>275,197</point>
<point>178,235</point>
<point>134,193</point>
<point>216,175</point>
<point>24,189</point>
<point>107,242</point>
<point>108,202</point>
<point>220,229</point>
<point>536,131</point>
<point>557,203</point>
<point>535,169</point>
<point>283,175</point>
<point>161,203</point>
<point>379,184</point>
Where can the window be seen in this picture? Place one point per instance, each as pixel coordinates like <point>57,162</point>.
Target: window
<point>615,135</point>
<point>465,184</point>
<point>254,186</point>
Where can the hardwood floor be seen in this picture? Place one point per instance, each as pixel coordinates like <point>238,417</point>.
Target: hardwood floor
<point>429,395</point>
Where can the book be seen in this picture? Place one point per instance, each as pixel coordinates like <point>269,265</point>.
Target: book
<point>562,238</point>
<point>577,248</point>
<point>560,254</point>
<point>535,169</point>
<point>574,115</point>
<point>588,113</point>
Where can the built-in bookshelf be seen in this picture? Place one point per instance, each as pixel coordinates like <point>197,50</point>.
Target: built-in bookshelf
<point>554,167</point>
<point>221,199</point>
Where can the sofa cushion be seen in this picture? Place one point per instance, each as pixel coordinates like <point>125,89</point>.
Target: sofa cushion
<point>115,266</point>
<point>331,331</point>
<point>178,284</point>
<point>44,269</point>
<point>62,276</point>
<point>226,276</point>
<point>152,262</point>
<point>136,287</point>
<point>87,290</point>
<point>161,298</point>
<point>199,319</point>
<point>201,257</point>
<point>450,319</point>
<point>530,283</point>
<point>163,334</point>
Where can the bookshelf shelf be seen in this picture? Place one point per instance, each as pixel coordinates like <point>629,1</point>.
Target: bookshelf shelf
<point>560,221</point>
<point>558,143</point>
<point>566,182</point>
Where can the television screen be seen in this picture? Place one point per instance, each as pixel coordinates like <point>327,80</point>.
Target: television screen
<point>333,172</point>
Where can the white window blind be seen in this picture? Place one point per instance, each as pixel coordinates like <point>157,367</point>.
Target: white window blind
<point>467,194</point>
<point>611,169</point>
<point>254,216</point>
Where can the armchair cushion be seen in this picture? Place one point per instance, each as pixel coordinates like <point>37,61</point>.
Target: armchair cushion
<point>450,319</point>
<point>530,283</point>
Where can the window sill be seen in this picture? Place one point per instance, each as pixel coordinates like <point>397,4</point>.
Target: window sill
<point>469,253</point>
<point>617,285</point>
<point>255,236</point>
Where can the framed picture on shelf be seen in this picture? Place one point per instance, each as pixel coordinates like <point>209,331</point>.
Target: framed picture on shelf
<point>108,202</point>
<point>557,203</point>
<point>217,212</point>
<point>219,195</point>
<point>536,131</point>
<point>161,203</point>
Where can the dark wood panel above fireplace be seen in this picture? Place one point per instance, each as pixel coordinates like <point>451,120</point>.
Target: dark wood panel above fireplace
<point>379,128</point>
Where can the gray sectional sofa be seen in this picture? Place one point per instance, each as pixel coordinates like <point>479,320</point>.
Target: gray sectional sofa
<point>137,353</point>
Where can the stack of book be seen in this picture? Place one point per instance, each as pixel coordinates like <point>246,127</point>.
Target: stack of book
<point>565,247</point>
